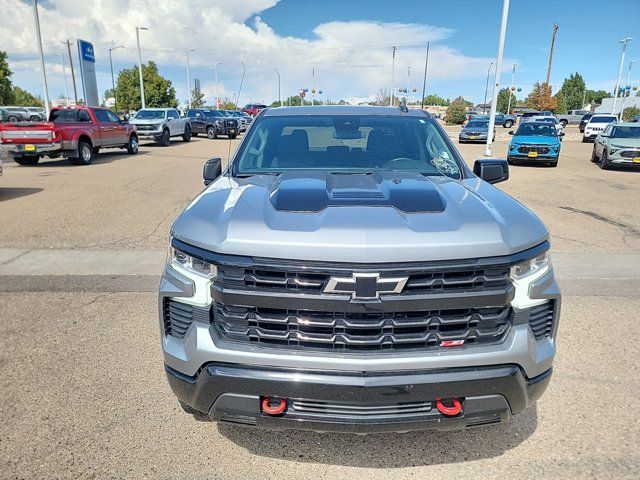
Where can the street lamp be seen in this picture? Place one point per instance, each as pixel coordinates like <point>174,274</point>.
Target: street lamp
<point>244,70</point>
<point>140,64</point>
<point>189,78</point>
<point>624,95</point>
<point>486,89</point>
<point>64,74</point>
<point>513,77</point>
<point>279,96</point>
<point>44,75</point>
<point>624,41</point>
<point>113,82</point>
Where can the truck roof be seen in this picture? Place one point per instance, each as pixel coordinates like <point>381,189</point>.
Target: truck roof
<point>342,110</point>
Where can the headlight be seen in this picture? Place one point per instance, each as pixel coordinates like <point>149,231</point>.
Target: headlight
<point>178,258</point>
<point>530,267</point>
<point>614,148</point>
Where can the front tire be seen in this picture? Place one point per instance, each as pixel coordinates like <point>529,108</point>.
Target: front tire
<point>508,124</point>
<point>34,118</point>
<point>12,119</point>
<point>211,133</point>
<point>563,123</point>
<point>85,154</point>
<point>594,156</point>
<point>27,161</point>
<point>187,134</point>
<point>133,145</point>
<point>604,161</point>
<point>165,138</point>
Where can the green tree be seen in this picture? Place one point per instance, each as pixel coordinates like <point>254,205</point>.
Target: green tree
<point>596,96</point>
<point>629,113</point>
<point>503,100</point>
<point>457,112</point>
<point>6,88</point>
<point>436,100</point>
<point>158,91</point>
<point>197,98</point>
<point>540,97</point>
<point>25,99</point>
<point>561,104</point>
<point>227,104</point>
<point>573,89</point>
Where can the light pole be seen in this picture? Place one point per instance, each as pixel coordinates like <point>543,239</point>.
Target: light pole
<point>64,74</point>
<point>624,42</point>
<point>189,78</point>
<point>424,80</point>
<point>140,65</point>
<point>217,86</point>
<point>393,72</point>
<point>486,89</point>
<point>44,75</point>
<point>244,70</point>
<point>313,86</point>
<point>624,94</point>
<point>513,78</point>
<point>279,97</point>
<point>113,81</point>
<point>496,84</point>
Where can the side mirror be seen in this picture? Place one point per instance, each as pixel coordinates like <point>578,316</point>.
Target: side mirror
<point>561,134</point>
<point>511,132</point>
<point>123,121</point>
<point>212,170</point>
<point>492,170</point>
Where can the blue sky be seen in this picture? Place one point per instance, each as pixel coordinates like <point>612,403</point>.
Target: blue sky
<point>347,42</point>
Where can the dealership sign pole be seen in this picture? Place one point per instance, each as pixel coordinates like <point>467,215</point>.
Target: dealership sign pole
<point>44,75</point>
<point>496,83</point>
<point>86,53</point>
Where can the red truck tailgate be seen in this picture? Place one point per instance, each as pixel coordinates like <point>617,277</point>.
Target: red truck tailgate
<point>16,133</point>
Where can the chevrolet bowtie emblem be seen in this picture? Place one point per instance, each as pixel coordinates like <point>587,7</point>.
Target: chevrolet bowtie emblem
<point>365,286</point>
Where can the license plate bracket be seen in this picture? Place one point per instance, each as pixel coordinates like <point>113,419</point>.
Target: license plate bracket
<point>532,154</point>
<point>29,147</point>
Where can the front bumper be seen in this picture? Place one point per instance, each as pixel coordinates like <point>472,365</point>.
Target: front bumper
<point>358,402</point>
<point>630,154</point>
<point>472,138</point>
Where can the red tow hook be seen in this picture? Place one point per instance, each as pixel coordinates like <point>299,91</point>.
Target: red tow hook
<point>456,409</point>
<point>273,405</point>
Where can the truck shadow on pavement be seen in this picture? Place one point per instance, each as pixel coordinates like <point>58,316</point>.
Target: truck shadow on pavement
<point>16,192</point>
<point>389,450</point>
<point>100,158</point>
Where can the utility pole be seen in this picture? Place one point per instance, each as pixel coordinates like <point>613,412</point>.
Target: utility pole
<point>44,75</point>
<point>584,98</point>
<point>624,92</point>
<point>313,86</point>
<point>496,84</point>
<point>64,74</point>
<point>553,42</point>
<point>393,71</point>
<point>624,41</point>
<point>113,81</point>
<point>244,70</point>
<point>188,79</point>
<point>73,75</point>
<point>140,65</point>
<point>424,80</point>
<point>513,78</point>
<point>408,79</point>
<point>217,87</point>
<point>486,90</point>
<point>279,96</point>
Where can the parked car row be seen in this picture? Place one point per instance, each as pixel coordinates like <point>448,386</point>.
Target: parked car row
<point>617,145</point>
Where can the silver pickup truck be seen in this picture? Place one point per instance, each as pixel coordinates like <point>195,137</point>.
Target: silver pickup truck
<point>348,272</point>
<point>161,124</point>
<point>572,117</point>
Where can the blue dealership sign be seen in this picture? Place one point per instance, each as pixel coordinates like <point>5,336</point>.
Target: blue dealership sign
<point>86,51</point>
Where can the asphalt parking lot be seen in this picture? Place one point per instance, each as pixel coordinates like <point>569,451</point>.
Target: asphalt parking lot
<point>82,386</point>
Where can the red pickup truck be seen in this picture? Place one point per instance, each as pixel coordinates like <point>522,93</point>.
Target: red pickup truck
<point>76,133</point>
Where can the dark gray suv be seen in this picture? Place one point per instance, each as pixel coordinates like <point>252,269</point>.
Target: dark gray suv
<point>348,272</point>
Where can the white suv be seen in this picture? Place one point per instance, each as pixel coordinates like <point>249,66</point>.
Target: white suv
<point>596,125</point>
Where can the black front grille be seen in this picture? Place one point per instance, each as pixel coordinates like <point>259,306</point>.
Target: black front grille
<point>231,123</point>
<point>420,280</point>
<point>630,153</point>
<point>178,317</point>
<point>541,320</point>
<point>533,148</point>
<point>359,331</point>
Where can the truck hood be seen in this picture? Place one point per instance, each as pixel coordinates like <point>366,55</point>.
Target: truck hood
<point>386,217</point>
<point>145,121</point>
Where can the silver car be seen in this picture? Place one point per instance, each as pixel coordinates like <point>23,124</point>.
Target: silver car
<point>348,272</point>
<point>618,145</point>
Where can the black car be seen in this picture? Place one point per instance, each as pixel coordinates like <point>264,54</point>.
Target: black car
<point>212,123</point>
<point>584,121</point>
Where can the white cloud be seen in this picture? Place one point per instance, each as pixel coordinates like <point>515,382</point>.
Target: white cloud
<point>352,59</point>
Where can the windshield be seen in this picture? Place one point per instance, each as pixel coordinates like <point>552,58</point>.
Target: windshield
<point>477,125</point>
<point>150,115</point>
<point>538,129</point>
<point>602,119</point>
<point>349,144</point>
<point>626,132</point>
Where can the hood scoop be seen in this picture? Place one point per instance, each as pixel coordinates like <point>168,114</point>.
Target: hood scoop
<point>312,191</point>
